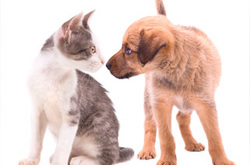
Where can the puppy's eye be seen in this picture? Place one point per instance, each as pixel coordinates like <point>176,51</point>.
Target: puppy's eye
<point>128,51</point>
<point>92,49</point>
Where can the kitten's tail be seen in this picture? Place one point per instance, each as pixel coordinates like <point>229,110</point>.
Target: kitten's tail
<point>125,154</point>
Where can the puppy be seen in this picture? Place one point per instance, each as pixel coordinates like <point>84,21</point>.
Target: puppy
<point>182,68</point>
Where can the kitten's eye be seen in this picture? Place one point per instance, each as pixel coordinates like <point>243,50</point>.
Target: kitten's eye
<point>128,51</point>
<point>92,49</point>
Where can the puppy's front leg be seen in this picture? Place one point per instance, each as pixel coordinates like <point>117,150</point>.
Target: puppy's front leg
<point>162,112</point>
<point>65,139</point>
<point>39,124</point>
<point>148,151</point>
<point>208,116</point>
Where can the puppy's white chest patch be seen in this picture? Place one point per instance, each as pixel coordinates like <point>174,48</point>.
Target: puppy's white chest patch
<point>183,104</point>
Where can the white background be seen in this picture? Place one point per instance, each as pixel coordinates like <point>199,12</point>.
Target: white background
<point>26,24</point>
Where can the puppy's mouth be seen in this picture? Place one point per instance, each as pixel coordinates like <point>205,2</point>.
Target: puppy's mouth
<point>127,75</point>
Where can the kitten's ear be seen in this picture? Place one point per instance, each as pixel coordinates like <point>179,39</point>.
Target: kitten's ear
<point>86,18</point>
<point>68,26</point>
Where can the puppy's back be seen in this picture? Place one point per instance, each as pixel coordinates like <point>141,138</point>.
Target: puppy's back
<point>208,54</point>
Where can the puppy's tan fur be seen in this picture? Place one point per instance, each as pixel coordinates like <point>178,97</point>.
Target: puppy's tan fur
<point>182,68</point>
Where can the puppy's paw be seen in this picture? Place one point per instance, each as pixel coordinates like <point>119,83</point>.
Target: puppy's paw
<point>166,162</point>
<point>195,147</point>
<point>146,154</point>
<point>224,162</point>
<point>28,162</point>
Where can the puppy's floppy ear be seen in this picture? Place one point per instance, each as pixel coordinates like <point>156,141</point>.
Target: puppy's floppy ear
<point>86,18</point>
<point>150,44</point>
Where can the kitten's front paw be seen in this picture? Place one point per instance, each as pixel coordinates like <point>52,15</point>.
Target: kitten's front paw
<point>54,161</point>
<point>59,163</point>
<point>146,154</point>
<point>28,162</point>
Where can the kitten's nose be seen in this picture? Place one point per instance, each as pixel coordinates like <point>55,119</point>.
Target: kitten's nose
<point>108,65</point>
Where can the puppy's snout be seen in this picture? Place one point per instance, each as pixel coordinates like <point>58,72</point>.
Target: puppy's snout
<point>108,65</point>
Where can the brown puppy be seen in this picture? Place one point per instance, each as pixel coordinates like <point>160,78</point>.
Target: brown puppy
<point>182,68</point>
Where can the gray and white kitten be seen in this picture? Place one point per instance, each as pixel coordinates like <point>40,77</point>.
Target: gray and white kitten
<point>71,103</point>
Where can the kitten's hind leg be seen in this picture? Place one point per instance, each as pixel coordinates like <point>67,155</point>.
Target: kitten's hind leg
<point>83,160</point>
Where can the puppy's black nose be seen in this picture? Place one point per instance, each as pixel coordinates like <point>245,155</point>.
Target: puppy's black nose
<point>108,65</point>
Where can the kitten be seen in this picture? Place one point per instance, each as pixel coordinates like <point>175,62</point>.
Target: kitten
<point>71,103</point>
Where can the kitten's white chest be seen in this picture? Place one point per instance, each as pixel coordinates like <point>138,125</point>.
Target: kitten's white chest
<point>52,86</point>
